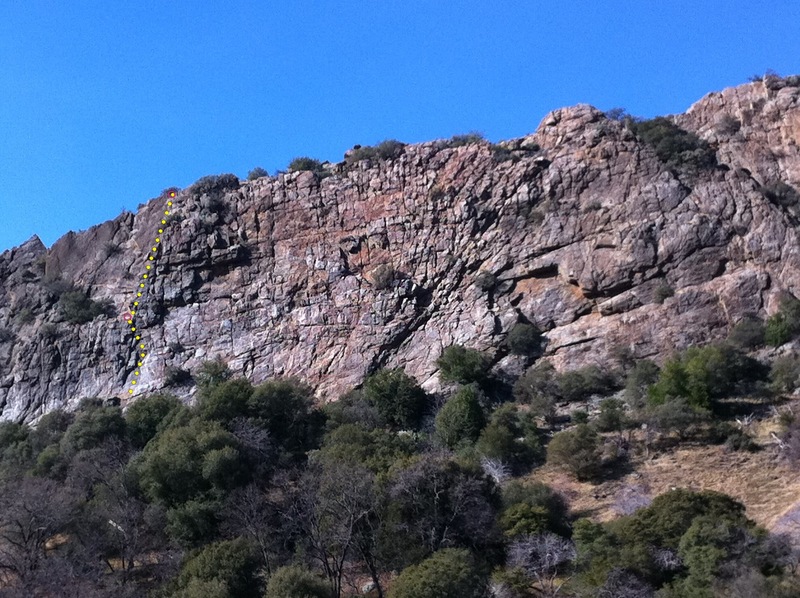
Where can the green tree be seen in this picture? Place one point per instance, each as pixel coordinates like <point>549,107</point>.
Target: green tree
<point>576,450</point>
<point>448,573</point>
<point>91,427</point>
<point>462,365</point>
<point>461,418</point>
<point>397,397</point>
<point>510,437</point>
<point>285,408</point>
<point>612,416</point>
<point>377,449</point>
<point>784,325</point>
<point>211,373</point>
<point>174,466</point>
<point>294,581</point>
<point>233,564</point>
<point>533,508</point>
<point>225,401</point>
<point>147,416</point>
<point>539,388</point>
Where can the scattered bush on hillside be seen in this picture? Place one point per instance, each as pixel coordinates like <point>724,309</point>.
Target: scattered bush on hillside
<point>524,339</point>
<point>580,384</point>
<point>212,373</point>
<point>78,308</point>
<point>24,316</point>
<point>461,419</point>
<point>533,508</point>
<point>465,366</point>
<point>785,374</point>
<point>448,573</point>
<point>612,417</point>
<point>677,148</point>
<point>538,387</point>
<point>578,451</point>
<point>512,438</point>
<point>703,375</point>
<point>643,375</point>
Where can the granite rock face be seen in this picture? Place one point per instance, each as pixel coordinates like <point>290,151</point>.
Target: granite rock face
<point>582,228</point>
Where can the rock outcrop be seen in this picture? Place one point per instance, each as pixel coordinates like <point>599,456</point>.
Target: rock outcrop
<point>578,228</point>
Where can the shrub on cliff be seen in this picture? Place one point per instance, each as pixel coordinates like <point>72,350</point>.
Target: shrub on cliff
<point>677,148</point>
<point>214,183</point>
<point>385,150</point>
<point>78,308</point>
<point>524,339</point>
<point>256,173</point>
<point>304,163</point>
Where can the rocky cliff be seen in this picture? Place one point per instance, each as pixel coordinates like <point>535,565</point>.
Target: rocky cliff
<point>581,228</point>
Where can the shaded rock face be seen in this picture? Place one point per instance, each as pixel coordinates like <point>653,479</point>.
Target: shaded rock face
<point>378,264</point>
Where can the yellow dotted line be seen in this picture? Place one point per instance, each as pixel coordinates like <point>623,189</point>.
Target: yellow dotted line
<point>147,276</point>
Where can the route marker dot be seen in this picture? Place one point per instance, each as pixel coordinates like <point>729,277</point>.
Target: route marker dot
<point>148,267</point>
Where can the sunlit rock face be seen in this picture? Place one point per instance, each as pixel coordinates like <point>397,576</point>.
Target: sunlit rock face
<point>578,228</point>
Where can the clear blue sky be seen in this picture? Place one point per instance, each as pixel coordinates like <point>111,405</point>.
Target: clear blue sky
<point>104,104</point>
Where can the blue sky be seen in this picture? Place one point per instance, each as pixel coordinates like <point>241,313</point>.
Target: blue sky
<point>104,104</point>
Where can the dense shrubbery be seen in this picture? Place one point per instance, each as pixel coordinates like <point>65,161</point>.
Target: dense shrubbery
<point>677,148</point>
<point>214,184</point>
<point>254,491</point>
<point>308,164</point>
<point>467,139</point>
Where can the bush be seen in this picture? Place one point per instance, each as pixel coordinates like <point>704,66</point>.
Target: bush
<point>524,339</point>
<point>643,374</point>
<point>485,281</point>
<point>459,364</point>
<point>785,374</point>
<point>225,401</point>
<point>175,376</point>
<point>306,164</point>
<point>612,416</point>
<point>78,308</point>
<point>382,276</point>
<point>294,581</point>
<point>663,292</point>
<point>232,563</point>
<point>704,375</point>
<point>256,173</point>
<point>781,194</point>
<point>448,573</point>
<point>215,184</point>
<point>677,148</point>
<point>24,316</point>
<point>468,139</point>
<point>510,437</point>
<point>385,150</point>
<point>212,373</point>
<point>284,407</point>
<point>538,387</point>
<point>533,508</point>
<point>576,450</point>
<point>580,384</point>
<point>747,334</point>
<point>397,397</point>
<point>461,418</point>
<point>150,415</point>
<point>784,325</point>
